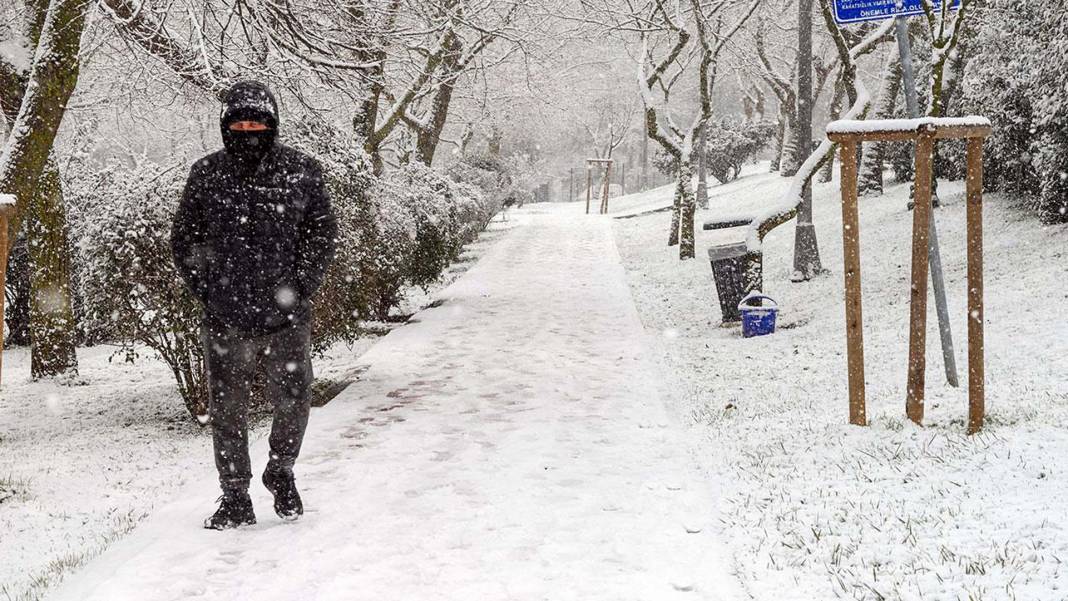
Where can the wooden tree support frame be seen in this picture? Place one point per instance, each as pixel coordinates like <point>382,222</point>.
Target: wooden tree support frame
<point>924,133</point>
<point>589,183</point>
<point>6,212</point>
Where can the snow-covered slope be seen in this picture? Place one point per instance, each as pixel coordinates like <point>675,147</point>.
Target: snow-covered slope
<point>818,509</point>
<point>660,198</point>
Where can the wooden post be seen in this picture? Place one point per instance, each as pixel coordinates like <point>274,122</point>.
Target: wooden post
<point>925,137</point>
<point>976,383</point>
<point>607,184</point>
<point>854,318</point>
<point>921,219</point>
<point>5,211</point>
<point>589,185</point>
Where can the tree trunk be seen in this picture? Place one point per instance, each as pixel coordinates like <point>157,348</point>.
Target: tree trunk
<point>495,140</point>
<point>702,170</point>
<point>676,209</point>
<point>645,158</point>
<point>826,173</point>
<point>427,139</point>
<point>807,262</point>
<point>27,172</point>
<point>53,78</point>
<point>466,137</point>
<point>51,319</point>
<point>871,171</point>
<point>791,153</point>
<point>687,208</point>
<point>365,121</point>
<point>780,142</point>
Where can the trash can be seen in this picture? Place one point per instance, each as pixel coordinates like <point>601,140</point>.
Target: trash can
<point>728,269</point>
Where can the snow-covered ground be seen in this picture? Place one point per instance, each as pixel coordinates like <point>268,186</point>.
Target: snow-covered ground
<point>511,443</point>
<point>83,464</point>
<point>817,509</point>
<point>659,199</point>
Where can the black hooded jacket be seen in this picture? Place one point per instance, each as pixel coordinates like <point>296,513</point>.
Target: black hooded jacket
<point>254,232</point>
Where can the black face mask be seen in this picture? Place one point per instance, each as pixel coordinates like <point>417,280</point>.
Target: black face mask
<point>248,146</point>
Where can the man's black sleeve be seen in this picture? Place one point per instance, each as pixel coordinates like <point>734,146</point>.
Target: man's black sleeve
<point>187,237</point>
<point>318,233</point>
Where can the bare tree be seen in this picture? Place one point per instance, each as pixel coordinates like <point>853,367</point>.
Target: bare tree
<point>468,35</point>
<point>945,27</point>
<point>778,70</point>
<point>656,86</point>
<point>860,102</point>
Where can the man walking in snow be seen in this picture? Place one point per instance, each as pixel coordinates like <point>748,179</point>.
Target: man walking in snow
<point>252,238</point>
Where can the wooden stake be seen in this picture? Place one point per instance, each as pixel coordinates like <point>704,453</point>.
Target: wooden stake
<point>589,186</point>
<point>976,368</point>
<point>3,278</point>
<point>921,224</point>
<point>925,137</point>
<point>854,319</point>
<point>607,183</point>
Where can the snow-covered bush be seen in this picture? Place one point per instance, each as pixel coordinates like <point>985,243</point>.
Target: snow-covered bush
<point>396,231</point>
<point>376,237</point>
<point>498,179</point>
<point>1024,96</point>
<point>447,215</point>
<point>731,143</point>
<point>131,293</point>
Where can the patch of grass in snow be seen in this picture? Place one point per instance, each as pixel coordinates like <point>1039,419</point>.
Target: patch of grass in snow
<point>58,568</point>
<point>13,488</point>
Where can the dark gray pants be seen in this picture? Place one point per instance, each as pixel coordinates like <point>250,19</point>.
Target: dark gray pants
<point>231,360</point>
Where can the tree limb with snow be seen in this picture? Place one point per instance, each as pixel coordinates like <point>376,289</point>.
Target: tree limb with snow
<point>787,206</point>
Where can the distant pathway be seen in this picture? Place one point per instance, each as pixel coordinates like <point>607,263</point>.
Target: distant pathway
<point>510,444</point>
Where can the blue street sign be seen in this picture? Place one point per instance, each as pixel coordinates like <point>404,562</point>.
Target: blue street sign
<point>855,11</point>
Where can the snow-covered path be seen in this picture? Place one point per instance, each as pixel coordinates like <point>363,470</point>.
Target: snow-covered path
<point>510,444</point>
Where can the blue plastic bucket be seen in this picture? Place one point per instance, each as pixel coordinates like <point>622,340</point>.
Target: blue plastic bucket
<point>758,320</point>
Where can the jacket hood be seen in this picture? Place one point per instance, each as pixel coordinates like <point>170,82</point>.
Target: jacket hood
<point>249,101</point>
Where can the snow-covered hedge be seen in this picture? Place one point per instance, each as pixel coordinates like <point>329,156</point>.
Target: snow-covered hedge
<point>397,231</point>
<point>447,214</point>
<point>497,178</point>
<point>1015,77</point>
<point>730,144</point>
<point>126,280</point>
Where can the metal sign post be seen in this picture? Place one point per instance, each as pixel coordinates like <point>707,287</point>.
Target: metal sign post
<point>856,11</point>
<point>945,331</point>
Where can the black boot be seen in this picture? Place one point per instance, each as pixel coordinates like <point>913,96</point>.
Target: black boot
<point>287,503</point>
<point>235,510</point>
